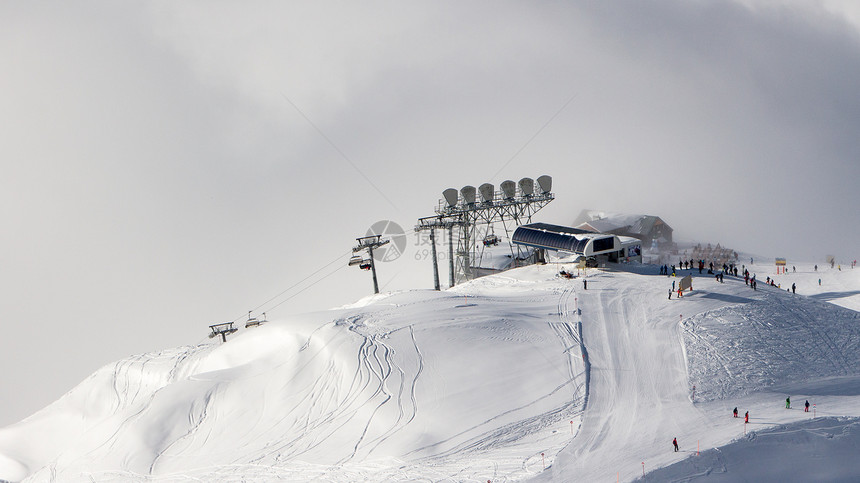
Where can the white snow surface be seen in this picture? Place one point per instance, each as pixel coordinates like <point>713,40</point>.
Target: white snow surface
<point>516,376</point>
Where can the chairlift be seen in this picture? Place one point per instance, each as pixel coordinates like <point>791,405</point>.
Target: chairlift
<point>365,264</point>
<point>222,330</point>
<point>252,321</point>
<point>491,240</point>
<point>355,260</point>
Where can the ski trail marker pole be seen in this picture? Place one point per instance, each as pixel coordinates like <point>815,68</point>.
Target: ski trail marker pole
<point>643,469</point>
<point>543,459</point>
<point>571,427</point>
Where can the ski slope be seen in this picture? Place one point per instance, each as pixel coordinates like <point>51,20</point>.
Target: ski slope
<point>516,376</point>
<point>734,345</point>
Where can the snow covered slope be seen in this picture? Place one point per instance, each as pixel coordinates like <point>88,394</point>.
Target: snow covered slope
<point>496,379</point>
<point>409,385</point>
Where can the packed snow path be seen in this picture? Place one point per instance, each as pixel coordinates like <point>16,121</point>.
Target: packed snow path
<point>739,343</point>
<point>638,389</point>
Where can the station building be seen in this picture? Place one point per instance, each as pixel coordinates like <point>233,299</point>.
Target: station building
<point>600,247</point>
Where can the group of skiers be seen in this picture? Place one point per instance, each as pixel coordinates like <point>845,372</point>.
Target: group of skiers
<point>749,280</point>
<point>747,415</point>
<point>729,268</point>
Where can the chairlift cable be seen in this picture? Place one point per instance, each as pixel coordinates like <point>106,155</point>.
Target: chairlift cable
<point>302,290</point>
<point>339,257</point>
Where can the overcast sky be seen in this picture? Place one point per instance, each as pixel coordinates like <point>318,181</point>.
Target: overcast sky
<point>170,165</point>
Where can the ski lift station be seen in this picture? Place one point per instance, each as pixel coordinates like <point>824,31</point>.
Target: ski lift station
<point>603,247</point>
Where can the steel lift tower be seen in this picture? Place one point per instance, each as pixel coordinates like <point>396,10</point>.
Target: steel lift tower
<point>462,212</point>
<point>367,243</point>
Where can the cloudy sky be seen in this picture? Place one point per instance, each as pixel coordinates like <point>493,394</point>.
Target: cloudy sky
<point>170,165</point>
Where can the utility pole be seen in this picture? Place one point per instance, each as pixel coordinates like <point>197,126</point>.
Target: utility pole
<point>431,224</point>
<point>451,256</point>
<point>435,263</point>
<point>373,270</point>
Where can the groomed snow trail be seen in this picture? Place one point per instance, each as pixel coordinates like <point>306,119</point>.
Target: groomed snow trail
<point>648,352</point>
<point>638,387</point>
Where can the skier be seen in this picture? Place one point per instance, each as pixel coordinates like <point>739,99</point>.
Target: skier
<point>819,282</point>
<point>747,417</point>
<point>735,412</point>
<point>787,403</point>
<point>584,284</point>
<point>670,294</point>
<point>793,287</point>
<point>806,406</point>
<point>675,443</point>
<point>816,268</point>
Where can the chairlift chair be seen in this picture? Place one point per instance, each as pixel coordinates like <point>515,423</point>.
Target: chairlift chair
<point>491,240</point>
<point>365,264</point>
<point>254,322</point>
<point>355,260</point>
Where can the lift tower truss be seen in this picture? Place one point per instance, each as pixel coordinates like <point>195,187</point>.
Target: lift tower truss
<point>462,213</point>
<point>368,243</point>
